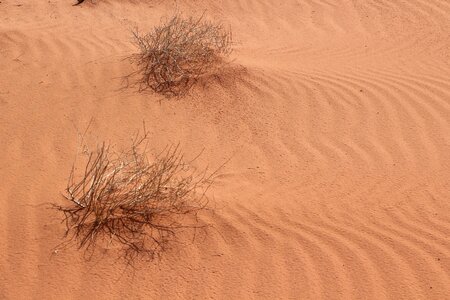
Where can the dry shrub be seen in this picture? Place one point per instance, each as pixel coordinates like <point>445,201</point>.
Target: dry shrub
<point>179,51</point>
<point>125,199</point>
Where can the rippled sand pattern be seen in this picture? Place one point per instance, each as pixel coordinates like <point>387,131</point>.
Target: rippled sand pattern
<point>338,132</point>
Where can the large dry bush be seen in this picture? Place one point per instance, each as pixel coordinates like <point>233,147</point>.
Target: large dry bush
<point>179,51</point>
<point>125,199</point>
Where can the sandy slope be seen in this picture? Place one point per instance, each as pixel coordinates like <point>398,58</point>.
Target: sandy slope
<point>339,133</point>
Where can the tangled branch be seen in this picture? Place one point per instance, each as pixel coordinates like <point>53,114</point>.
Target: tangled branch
<point>179,51</point>
<point>124,198</point>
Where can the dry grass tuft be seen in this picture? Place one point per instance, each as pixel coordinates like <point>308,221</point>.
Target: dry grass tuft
<point>125,199</point>
<point>179,51</point>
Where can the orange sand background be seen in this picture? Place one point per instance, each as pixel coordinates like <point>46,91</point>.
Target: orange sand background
<point>339,134</point>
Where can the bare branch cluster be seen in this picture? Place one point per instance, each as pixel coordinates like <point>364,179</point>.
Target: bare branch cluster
<point>178,51</point>
<point>123,198</point>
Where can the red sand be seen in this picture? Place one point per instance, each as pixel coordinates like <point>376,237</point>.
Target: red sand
<point>339,134</point>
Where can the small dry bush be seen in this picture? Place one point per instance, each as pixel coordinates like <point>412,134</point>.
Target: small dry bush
<point>125,199</point>
<point>179,51</point>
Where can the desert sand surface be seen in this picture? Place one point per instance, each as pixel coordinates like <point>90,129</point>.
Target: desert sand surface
<point>337,129</point>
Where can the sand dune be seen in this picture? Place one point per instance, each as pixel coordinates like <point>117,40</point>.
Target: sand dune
<point>338,133</point>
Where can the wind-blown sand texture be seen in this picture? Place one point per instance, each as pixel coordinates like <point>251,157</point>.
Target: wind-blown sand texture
<point>338,131</point>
